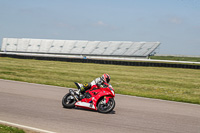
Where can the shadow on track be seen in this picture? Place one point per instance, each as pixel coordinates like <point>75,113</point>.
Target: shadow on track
<point>77,108</point>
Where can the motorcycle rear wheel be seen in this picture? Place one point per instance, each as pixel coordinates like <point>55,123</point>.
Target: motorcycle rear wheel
<point>106,108</point>
<point>67,102</point>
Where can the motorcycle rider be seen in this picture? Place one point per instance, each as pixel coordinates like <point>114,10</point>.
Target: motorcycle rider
<point>105,78</point>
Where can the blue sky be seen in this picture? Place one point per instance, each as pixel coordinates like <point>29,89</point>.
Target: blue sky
<point>174,23</point>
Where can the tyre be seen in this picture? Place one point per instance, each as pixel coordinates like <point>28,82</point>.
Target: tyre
<point>68,101</point>
<point>106,108</point>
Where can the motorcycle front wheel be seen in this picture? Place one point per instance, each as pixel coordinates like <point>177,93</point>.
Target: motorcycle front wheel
<point>68,101</point>
<point>106,108</point>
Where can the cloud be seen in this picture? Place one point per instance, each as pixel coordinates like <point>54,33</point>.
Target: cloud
<point>175,20</point>
<point>100,23</point>
<point>104,25</point>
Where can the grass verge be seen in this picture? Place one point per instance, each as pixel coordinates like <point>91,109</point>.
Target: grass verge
<point>173,84</point>
<point>8,129</point>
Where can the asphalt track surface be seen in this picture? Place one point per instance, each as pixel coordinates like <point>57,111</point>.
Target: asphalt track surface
<point>39,106</point>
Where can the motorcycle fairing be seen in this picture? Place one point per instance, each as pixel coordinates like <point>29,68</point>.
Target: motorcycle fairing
<point>107,98</point>
<point>85,105</point>
<point>93,98</point>
<point>91,102</point>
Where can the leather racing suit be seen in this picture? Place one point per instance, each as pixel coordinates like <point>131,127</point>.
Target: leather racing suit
<point>98,81</point>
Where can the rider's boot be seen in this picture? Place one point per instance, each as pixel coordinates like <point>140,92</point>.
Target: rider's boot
<point>83,88</point>
<point>82,92</point>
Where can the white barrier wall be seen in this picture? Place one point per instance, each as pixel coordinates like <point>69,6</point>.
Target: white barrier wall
<point>78,47</point>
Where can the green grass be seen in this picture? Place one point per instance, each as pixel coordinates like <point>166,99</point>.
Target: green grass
<point>192,59</point>
<point>8,129</point>
<point>173,84</point>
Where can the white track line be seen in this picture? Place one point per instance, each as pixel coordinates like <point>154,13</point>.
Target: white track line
<point>25,127</point>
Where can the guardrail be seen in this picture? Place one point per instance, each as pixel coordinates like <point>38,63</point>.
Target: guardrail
<point>104,61</point>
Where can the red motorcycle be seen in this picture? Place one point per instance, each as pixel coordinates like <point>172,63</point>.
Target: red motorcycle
<point>96,98</point>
